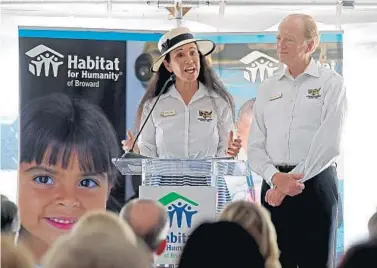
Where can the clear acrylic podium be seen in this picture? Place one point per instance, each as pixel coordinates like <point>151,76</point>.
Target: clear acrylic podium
<point>232,178</point>
<point>192,191</point>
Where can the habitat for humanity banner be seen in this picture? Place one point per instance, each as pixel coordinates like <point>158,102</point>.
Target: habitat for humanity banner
<point>112,69</point>
<point>89,69</point>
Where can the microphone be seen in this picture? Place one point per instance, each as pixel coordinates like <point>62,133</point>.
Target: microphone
<point>130,153</point>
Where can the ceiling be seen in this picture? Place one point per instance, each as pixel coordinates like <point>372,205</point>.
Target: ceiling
<point>205,15</point>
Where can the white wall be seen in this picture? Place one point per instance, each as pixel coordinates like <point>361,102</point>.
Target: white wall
<point>360,143</point>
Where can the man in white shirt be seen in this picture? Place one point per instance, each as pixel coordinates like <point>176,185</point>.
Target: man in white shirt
<point>294,142</point>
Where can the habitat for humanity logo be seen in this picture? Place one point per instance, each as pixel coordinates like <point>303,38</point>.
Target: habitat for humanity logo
<point>179,208</point>
<point>44,58</point>
<point>85,71</point>
<point>259,64</point>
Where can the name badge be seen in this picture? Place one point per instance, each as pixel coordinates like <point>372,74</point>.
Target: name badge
<point>167,113</point>
<point>276,96</point>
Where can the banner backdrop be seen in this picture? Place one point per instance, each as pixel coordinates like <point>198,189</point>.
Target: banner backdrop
<point>111,69</point>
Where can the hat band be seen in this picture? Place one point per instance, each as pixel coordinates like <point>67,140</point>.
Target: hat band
<point>169,43</point>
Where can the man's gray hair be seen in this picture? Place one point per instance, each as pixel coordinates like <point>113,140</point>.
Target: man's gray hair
<point>154,236</point>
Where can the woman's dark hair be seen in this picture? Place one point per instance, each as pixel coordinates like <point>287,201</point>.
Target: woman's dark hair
<point>207,76</point>
<point>9,216</point>
<point>56,125</point>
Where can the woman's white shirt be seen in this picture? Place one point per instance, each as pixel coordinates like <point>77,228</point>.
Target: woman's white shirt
<point>176,130</point>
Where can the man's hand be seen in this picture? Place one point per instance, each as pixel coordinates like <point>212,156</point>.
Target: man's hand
<point>274,197</point>
<point>288,183</point>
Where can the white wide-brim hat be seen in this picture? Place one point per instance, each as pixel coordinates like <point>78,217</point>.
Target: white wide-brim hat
<point>178,37</point>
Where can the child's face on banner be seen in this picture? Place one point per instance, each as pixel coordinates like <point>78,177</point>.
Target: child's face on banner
<point>51,198</point>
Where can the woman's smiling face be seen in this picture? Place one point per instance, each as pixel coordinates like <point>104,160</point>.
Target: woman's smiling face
<point>52,198</point>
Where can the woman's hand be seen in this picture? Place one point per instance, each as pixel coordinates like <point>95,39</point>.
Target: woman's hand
<point>234,145</point>
<point>128,143</point>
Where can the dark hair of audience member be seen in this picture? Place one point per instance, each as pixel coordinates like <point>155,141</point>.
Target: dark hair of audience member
<point>363,255</point>
<point>9,216</point>
<point>221,245</point>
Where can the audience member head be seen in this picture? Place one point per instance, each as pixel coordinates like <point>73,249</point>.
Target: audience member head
<point>99,240</point>
<point>14,256</point>
<point>95,221</point>
<point>372,226</point>
<point>256,220</point>
<point>66,169</point>
<point>361,255</point>
<point>221,245</point>
<point>9,217</point>
<point>149,220</point>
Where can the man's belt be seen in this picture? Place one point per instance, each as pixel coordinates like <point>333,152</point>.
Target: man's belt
<point>285,168</point>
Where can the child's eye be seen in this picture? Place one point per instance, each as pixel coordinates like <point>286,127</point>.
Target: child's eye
<point>88,183</point>
<point>43,179</point>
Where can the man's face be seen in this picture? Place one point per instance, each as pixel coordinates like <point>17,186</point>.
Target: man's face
<point>51,198</point>
<point>291,45</point>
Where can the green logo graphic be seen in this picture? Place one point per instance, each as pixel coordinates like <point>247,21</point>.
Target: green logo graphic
<point>178,205</point>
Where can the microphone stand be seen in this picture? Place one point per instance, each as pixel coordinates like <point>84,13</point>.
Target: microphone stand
<point>131,153</point>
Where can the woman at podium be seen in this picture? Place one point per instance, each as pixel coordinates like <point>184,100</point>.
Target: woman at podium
<point>194,116</point>
<point>186,112</point>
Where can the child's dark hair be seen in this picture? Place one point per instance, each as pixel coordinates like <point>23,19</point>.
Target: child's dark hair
<point>56,125</point>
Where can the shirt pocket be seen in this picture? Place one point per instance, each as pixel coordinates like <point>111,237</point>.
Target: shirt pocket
<point>274,112</point>
<point>168,123</point>
<point>310,106</point>
<point>205,117</point>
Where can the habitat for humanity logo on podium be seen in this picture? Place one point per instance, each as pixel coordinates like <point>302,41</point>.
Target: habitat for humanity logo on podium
<point>181,212</point>
<point>179,208</point>
<point>80,71</point>
<point>46,59</point>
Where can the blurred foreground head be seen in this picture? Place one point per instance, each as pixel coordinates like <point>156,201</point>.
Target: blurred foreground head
<point>100,239</point>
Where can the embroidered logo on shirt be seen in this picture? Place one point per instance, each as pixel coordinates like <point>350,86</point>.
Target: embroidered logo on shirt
<point>167,113</point>
<point>276,96</point>
<point>314,93</point>
<point>205,116</point>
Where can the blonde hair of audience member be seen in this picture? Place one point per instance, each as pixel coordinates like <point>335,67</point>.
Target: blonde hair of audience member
<point>100,239</point>
<point>14,256</point>
<point>372,226</point>
<point>106,221</point>
<point>256,220</point>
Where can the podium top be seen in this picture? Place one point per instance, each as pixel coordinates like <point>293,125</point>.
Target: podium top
<point>222,166</point>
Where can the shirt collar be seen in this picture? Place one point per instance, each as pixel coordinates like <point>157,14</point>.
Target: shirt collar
<point>312,69</point>
<point>202,92</point>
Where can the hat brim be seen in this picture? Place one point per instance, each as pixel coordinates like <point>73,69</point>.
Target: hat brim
<point>205,47</point>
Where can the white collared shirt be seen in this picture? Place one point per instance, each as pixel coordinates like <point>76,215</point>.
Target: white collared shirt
<point>297,122</point>
<point>176,130</point>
